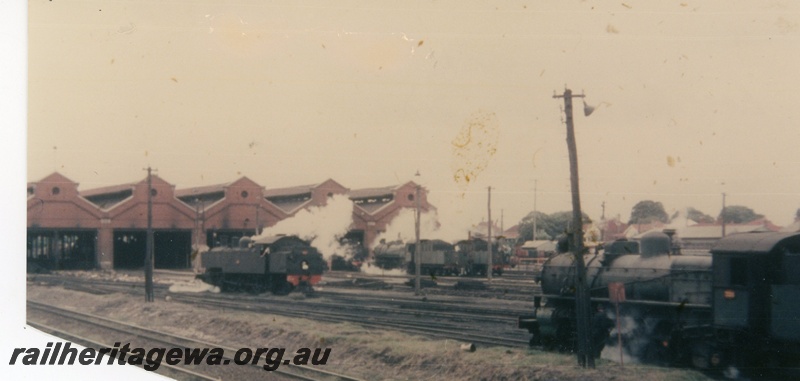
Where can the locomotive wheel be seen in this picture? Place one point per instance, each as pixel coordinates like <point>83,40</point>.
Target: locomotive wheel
<point>701,356</point>
<point>536,339</point>
<point>306,288</point>
<point>565,336</point>
<point>282,287</point>
<point>654,354</point>
<point>215,277</point>
<point>255,288</point>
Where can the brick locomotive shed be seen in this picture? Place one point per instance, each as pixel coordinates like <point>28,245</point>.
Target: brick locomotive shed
<point>106,228</point>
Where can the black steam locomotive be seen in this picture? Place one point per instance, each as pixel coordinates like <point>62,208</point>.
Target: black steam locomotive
<point>473,255</point>
<point>738,307</point>
<point>391,255</point>
<point>276,263</point>
<point>437,257</point>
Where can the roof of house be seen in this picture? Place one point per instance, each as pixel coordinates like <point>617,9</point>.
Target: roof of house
<point>794,227</point>
<point>538,244</point>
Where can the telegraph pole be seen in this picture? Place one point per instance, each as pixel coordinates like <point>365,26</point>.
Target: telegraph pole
<point>502,227</point>
<point>603,223</point>
<point>258,223</point>
<point>603,216</point>
<point>582,303</point>
<point>722,215</point>
<point>489,237</point>
<point>148,257</point>
<point>195,234</point>
<point>197,222</point>
<point>535,183</point>
<point>417,249</point>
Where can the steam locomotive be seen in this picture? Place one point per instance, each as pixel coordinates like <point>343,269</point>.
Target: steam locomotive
<point>276,263</point>
<point>474,257</point>
<point>391,255</point>
<point>437,257</point>
<point>738,307</point>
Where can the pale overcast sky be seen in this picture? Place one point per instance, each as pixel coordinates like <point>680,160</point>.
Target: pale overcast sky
<point>693,99</point>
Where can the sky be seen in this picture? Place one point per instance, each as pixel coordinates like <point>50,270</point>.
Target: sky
<point>693,99</point>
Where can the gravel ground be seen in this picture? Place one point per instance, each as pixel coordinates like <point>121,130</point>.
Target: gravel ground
<point>356,351</point>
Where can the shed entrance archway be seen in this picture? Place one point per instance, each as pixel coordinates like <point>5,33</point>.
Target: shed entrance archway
<point>61,249</point>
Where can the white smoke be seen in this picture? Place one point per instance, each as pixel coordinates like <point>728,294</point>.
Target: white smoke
<point>367,268</point>
<point>402,228</point>
<point>322,225</point>
<point>636,334</point>
<point>612,350</point>
<point>680,222</point>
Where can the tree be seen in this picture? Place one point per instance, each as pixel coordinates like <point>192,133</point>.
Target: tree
<point>547,226</point>
<point>560,222</point>
<point>526,226</point>
<point>737,214</point>
<point>648,211</point>
<point>698,216</point>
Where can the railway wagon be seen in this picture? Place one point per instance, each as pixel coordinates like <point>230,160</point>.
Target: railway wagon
<point>274,263</point>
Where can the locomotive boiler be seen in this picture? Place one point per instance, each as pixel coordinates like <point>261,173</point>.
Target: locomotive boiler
<point>274,263</point>
<point>391,255</point>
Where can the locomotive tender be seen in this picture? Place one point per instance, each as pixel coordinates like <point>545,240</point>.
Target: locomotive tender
<point>756,299</point>
<point>274,263</point>
<point>738,307</point>
<point>436,257</point>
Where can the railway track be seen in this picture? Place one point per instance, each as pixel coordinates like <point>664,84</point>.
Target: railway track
<point>429,324</point>
<point>456,319</point>
<point>168,371</point>
<point>150,336</point>
<point>396,311</point>
<point>519,289</point>
<point>513,290</point>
